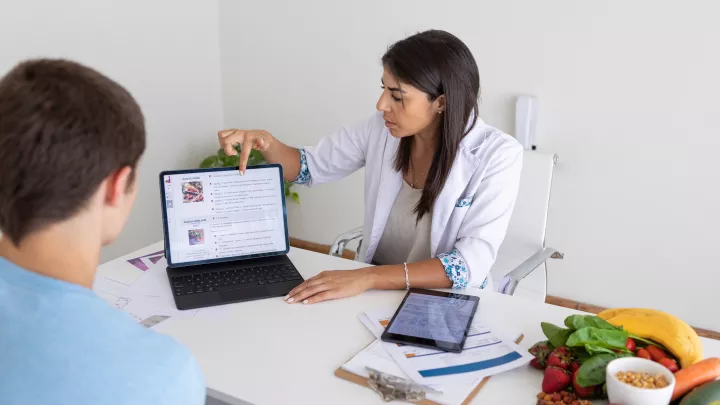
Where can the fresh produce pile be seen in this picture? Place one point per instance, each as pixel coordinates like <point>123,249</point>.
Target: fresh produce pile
<point>574,357</point>
<point>560,398</point>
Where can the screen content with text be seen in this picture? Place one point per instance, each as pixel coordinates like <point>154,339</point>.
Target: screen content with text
<point>217,215</point>
<point>431,317</point>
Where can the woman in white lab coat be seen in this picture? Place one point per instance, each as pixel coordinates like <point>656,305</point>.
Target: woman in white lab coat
<point>440,185</point>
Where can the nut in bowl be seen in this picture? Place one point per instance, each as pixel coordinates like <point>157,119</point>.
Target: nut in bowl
<point>637,381</point>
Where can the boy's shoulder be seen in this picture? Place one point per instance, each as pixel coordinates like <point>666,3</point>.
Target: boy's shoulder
<point>75,348</point>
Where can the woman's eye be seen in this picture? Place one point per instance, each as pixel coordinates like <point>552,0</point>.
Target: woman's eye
<point>392,95</point>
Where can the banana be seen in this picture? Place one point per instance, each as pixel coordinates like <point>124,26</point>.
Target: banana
<point>677,336</point>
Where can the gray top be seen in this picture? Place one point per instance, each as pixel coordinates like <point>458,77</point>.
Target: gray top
<point>404,240</point>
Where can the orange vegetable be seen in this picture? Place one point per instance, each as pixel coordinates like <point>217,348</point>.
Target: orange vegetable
<point>696,374</point>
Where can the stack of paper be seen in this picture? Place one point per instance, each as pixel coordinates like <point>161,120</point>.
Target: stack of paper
<point>148,299</point>
<point>448,377</point>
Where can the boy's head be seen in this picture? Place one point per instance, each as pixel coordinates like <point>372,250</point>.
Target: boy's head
<point>70,141</point>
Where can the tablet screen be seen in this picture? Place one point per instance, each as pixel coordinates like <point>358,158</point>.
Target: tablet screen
<point>432,317</point>
<point>219,215</point>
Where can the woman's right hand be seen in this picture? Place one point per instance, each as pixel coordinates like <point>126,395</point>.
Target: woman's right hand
<point>247,139</point>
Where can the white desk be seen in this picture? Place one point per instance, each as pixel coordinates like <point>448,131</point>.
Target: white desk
<point>271,352</point>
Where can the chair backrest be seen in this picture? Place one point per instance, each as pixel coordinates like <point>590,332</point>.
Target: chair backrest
<point>526,231</point>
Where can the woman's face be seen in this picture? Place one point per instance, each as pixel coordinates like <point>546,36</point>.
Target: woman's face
<point>407,110</point>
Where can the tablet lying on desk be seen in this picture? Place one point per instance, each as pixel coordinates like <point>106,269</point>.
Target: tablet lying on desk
<point>432,319</point>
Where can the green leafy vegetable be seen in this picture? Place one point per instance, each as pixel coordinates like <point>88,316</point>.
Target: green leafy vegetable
<point>608,339</point>
<point>580,353</point>
<point>592,371</point>
<point>645,341</point>
<point>583,321</point>
<point>555,334</point>
<point>592,349</point>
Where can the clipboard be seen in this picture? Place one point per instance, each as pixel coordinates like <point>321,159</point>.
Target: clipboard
<point>408,390</point>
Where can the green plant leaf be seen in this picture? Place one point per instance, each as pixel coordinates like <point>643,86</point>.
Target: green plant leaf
<point>208,162</point>
<point>231,161</point>
<point>580,353</point>
<point>592,371</point>
<point>255,158</point>
<point>583,321</point>
<point>645,341</point>
<point>555,334</point>
<point>594,349</point>
<point>609,339</point>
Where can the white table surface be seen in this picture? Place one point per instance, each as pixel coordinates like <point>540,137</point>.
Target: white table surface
<point>271,352</point>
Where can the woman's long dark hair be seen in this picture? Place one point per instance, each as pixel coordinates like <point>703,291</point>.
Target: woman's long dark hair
<point>437,63</point>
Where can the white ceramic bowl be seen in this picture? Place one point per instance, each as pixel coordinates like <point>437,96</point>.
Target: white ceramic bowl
<point>625,394</point>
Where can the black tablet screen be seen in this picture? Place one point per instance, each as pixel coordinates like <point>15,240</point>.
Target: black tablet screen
<point>433,317</point>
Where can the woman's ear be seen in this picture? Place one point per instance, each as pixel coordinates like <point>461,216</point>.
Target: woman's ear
<point>439,104</point>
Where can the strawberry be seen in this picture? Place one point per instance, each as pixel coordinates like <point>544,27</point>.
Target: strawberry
<point>540,350</point>
<point>560,357</point>
<point>575,366</point>
<point>556,379</point>
<point>536,364</point>
<point>583,392</point>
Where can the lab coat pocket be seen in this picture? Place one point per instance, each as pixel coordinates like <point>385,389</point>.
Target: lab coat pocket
<point>456,219</point>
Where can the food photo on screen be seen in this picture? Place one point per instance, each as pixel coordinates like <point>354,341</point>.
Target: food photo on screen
<point>192,192</point>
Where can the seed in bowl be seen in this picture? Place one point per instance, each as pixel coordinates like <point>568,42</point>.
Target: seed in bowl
<point>642,380</point>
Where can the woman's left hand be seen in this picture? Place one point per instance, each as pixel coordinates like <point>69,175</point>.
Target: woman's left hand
<point>330,285</point>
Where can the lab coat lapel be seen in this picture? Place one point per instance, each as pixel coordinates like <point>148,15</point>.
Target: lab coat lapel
<point>390,185</point>
<point>461,173</point>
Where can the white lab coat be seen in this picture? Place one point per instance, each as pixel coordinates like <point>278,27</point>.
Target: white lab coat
<point>485,174</point>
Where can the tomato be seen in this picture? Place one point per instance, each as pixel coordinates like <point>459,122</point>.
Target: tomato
<point>670,364</point>
<point>656,353</point>
<point>630,345</point>
<point>643,354</point>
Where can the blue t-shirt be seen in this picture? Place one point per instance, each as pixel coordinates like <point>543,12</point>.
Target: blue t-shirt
<point>61,344</point>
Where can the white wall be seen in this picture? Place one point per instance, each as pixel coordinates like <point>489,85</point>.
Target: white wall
<point>628,99</point>
<point>165,52</point>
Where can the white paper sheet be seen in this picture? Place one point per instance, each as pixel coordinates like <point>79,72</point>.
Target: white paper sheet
<point>157,306</point>
<point>148,295</point>
<point>154,281</point>
<point>484,354</point>
<point>375,356</point>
